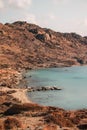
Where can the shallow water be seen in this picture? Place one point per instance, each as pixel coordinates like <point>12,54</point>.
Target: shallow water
<point>72,80</point>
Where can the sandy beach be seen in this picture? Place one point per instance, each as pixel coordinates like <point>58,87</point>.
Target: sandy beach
<point>19,94</point>
<point>18,112</point>
<point>14,102</point>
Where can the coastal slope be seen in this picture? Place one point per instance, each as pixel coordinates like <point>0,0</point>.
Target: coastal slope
<point>25,45</point>
<point>28,46</point>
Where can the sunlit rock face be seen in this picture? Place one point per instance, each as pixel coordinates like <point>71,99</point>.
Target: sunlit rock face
<point>25,45</point>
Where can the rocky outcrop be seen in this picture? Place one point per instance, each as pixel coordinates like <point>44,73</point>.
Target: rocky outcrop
<point>45,88</point>
<point>25,45</point>
<point>28,46</point>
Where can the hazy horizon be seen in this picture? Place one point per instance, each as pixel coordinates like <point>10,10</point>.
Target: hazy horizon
<point>59,15</point>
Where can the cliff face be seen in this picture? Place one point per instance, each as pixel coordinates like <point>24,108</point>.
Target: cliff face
<point>24,45</point>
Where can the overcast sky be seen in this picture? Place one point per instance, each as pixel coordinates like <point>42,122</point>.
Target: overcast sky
<point>59,15</point>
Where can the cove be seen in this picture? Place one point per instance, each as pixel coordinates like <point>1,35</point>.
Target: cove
<point>72,80</point>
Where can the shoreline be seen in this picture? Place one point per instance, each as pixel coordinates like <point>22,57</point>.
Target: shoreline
<point>18,107</point>
<point>66,107</point>
<point>19,94</point>
<point>22,96</point>
<point>24,47</point>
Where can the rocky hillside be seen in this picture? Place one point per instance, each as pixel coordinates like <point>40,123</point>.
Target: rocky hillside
<point>25,45</point>
<point>28,46</point>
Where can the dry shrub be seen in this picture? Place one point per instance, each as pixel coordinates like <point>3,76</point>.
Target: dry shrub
<point>58,119</point>
<point>51,127</point>
<point>12,123</point>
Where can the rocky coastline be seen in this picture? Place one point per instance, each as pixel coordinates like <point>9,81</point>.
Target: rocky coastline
<point>18,113</point>
<point>34,47</point>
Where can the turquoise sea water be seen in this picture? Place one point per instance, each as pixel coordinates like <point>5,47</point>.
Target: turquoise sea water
<point>72,80</point>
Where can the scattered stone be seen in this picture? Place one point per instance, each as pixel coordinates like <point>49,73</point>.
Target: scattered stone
<point>46,88</point>
<point>28,46</point>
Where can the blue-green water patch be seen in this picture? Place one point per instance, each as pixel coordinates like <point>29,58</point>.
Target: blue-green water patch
<point>72,80</point>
